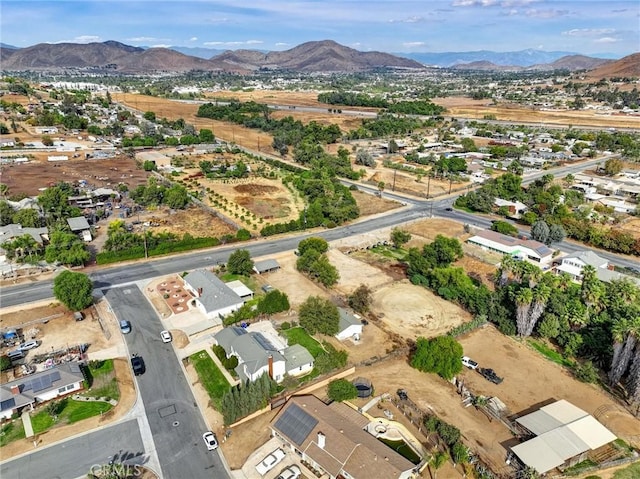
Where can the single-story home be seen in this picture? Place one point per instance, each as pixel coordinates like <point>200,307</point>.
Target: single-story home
<point>573,264</point>
<point>349,326</point>
<point>266,266</point>
<point>516,208</point>
<point>333,440</point>
<point>564,434</point>
<point>213,297</point>
<point>80,225</point>
<point>63,379</point>
<point>13,231</point>
<point>530,250</point>
<point>261,350</point>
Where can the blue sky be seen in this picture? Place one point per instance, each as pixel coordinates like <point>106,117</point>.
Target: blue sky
<point>583,26</point>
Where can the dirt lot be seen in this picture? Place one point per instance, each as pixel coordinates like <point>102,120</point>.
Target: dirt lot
<point>631,225</point>
<point>353,273</point>
<point>467,107</point>
<point>28,178</point>
<point>193,220</point>
<point>413,311</point>
<point>529,379</point>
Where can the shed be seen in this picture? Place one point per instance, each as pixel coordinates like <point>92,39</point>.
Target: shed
<point>78,224</point>
<point>349,326</point>
<point>266,266</point>
<point>364,387</point>
<point>240,289</point>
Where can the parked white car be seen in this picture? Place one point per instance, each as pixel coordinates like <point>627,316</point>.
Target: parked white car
<point>468,362</point>
<point>291,472</point>
<point>210,440</point>
<point>166,336</point>
<point>271,461</point>
<point>27,345</point>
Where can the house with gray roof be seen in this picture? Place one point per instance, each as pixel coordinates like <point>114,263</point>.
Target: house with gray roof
<point>13,231</point>
<point>529,250</point>
<point>573,264</point>
<point>349,325</point>
<point>43,386</point>
<point>266,266</point>
<point>79,225</point>
<point>261,352</point>
<point>212,296</point>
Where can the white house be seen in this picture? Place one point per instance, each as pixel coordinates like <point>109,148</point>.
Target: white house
<point>516,208</point>
<point>529,250</point>
<point>349,326</point>
<point>574,263</point>
<point>261,350</point>
<point>214,298</point>
<point>40,387</point>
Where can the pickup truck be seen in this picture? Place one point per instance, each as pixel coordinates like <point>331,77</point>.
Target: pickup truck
<point>271,461</point>
<point>490,375</point>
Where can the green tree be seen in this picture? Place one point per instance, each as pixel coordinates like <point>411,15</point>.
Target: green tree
<point>441,355</point>
<point>206,136</point>
<point>360,299</point>
<point>318,244</point>
<point>400,237</point>
<point>438,460</point>
<point>176,197</point>
<point>556,234</point>
<point>442,251</point>
<point>613,166</point>
<point>319,315</point>
<point>67,249</point>
<point>6,213</point>
<point>323,271</point>
<point>74,290</point>
<point>273,302</point>
<point>5,363</point>
<point>341,390</point>
<point>459,453</point>
<point>240,262</point>
<point>363,157</point>
<point>47,140</point>
<point>540,231</point>
<point>149,116</point>
<point>505,228</point>
<point>149,165</point>
<point>468,144</point>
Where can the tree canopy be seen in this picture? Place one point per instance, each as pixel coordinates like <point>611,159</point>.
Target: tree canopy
<point>341,390</point>
<point>74,290</point>
<point>240,262</point>
<point>441,355</point>
<point>319,315</point>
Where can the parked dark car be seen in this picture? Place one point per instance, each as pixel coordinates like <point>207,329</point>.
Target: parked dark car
<point>490,375</point>
<point>402,394</point>
<point>137,363</point>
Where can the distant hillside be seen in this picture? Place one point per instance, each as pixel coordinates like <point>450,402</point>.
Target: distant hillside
<point>522,58</point>
<point>8,47</point>
<point>321,56</point>
<point>628,66</point>
<point>484,65</point>
<point>569,62</point>
<point>205,53</point>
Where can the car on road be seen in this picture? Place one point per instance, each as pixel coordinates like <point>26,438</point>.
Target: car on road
<point>291,472</point>
<point>137,364</point>
<point>468,362</point>
<point>27,345</point>
<point>490,375</point>
<point>448,208</point>
<point>271,461</point>
<point>125,326</point>
<point>210,440</point>
<point>166,336</point>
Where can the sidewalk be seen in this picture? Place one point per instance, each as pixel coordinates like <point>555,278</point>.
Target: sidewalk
<point>28,427</point>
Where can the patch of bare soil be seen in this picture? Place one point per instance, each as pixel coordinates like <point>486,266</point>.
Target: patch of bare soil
<point>353,273</point>
<point>246,438</point>
<point>255,189</point>
<point>193,220</point>
<point>429,228</point>
<point>412,311</point>
<point>28,178</point>
<point>370,204</point>
<point>477,270</point>
<point>529,379</point>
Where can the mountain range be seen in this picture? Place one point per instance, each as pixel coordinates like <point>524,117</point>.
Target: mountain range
<point>316,56</point>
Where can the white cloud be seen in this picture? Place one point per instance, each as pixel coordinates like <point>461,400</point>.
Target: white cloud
<point>413,19</point>
<point>413,44</point>
<point>160,45</point>
<point>193,39</point>
<point>282,44</point>
<point>549,13</point>
<point>586,32</point>
<point>86,39</point>
<point>233,44</point>
<point>474,3</point>
<point>606,40</point>
<point>142,39</point>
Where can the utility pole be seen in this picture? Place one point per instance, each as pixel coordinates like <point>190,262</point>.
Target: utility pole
<point>428,185</point>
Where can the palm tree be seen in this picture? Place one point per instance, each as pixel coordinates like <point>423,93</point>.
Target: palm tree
<point>436,462</point>
<point>624,332</point>
<point>633,381</point>
<point>523,298</point>
<point>540,297</point>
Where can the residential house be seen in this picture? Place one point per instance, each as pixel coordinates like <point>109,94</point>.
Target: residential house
<point>214,298</point>
<point>261,350</point>
<point>80,226</point>
<point>43,386</point>
<point>516,208</point>
<point>332,439</point>
<point>573,264</point>
<point>349,326</point>
<point>13,231</point>
<point>524,249</point>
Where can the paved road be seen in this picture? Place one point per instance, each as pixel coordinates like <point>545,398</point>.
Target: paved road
<point>75,457</point>
<point>174,418</point>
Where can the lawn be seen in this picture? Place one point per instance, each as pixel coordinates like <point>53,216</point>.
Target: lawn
<point>102,378</point>
<point>301,337</point>
<point>550,353</point>
<point>70,411</point>
<point>11,432</point>
<point>210,376</point>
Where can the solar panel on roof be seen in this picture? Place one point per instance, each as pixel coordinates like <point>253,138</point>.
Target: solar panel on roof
<point>296,424</point>
<point>7,404</point>
<point>264,342</point>
<point>41,384</point>
<point>55,376</point>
